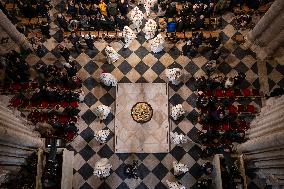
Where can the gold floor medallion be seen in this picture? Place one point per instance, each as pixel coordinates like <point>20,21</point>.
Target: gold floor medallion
<point>142,112</point>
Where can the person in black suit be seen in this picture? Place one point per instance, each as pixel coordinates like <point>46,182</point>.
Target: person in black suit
<point>186,48</point>
<point>62,22</point>
<point>89,41</point>
<point>45,27</point>
<point>64,52</point>
<point>75,40</point>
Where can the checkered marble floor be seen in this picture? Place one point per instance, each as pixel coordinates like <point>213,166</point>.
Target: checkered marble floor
<point>138,65</point>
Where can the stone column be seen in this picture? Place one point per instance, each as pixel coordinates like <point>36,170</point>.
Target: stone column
<point>276,139</point>
<point>272,30</point>
<point>274,44</point>
<point>17,139</point>
<point>266,20</point>
<point>12,31</point>
<point>264,150</point>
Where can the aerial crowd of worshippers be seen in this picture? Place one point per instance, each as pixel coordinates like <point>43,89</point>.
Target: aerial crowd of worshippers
<point>53,105</point>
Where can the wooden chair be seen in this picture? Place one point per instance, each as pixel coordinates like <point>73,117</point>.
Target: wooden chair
<point>214,22</point>
<point>180,35</point>
<point>188,35</point>
<point>240,38</point>
<point>112,35</point>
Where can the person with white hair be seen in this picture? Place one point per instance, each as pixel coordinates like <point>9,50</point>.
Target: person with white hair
<point>89,41</point>
<point>148,4</point>
<point>102,111</point>
<point>112,55</point>
<point>128,35</point>
<point>108,79</point>
<point>179,168</point>
<point>175,185</point>
<point>178,139</point>
<point>177,111</point>
<point>174,75</point>
<point>136,17</point>
<point>157,43</point>
<point>102,168</point>
<point>150,29</point>
<point>101,135</point>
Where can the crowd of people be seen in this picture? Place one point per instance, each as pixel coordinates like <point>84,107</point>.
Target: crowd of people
<point>52,98</point>
<point>212,44</point>
<point>94,15</point>
<point>16,68</point>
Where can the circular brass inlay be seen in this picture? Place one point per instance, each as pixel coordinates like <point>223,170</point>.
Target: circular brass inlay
<point>142,112</point>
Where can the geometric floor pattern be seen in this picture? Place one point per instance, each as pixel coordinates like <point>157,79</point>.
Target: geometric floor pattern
<point>149,137</point>
<point>138,65</point>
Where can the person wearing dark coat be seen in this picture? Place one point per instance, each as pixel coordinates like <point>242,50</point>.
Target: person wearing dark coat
<point>199,22</point>
<point>121,22</point>
<point>71,9</point>
<point>45,27</point>
<point>207,168</point>
<point>238,80</point>
<point>214,55</point>
<point>42,10</point>
<point>62,22</point>
<point>82,9</point>
<point>215,42</point>
<point>64,52</point>
<point>89,41</point>
<point>171,11</point>
<point>123,7</point>
<point>204,184</point>
<point>186,48</point>
<point>75,40</point>
<point>180,25</point>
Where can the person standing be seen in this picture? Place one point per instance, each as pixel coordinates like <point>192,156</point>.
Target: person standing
<point>112,55</point>
<point>157,44</point>
<point>89,41</point>
<point>150,29</point>
<point>136,17</point>
<point>128,35</point>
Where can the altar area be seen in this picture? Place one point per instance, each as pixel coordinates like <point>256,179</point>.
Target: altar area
<point>150,136</point>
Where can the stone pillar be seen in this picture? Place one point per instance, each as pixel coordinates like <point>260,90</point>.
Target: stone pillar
<point>273,29</point>
<point>12,31</point>
<point>266,20</point>
<point>17,139</point>
<point>264,150</point>
<point>267,36</point>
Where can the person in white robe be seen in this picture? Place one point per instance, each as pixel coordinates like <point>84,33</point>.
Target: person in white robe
<point>102,111</point>
<point>112,55</point>
<point>108,79</point>
<point>179,168</point>
<point>178,139</point>
<point>101,135</point>
<point>148,4</point>
<point>102,168</point>
<point>177,111</point>
<point>150,29</point>
<point>136,17</point>
<point>157,44</point>
<point>128,35</point>
<point>174,75</point>
<point>175,185</point>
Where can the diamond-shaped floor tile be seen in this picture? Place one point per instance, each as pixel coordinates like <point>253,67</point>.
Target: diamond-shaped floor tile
<point>86,171</point>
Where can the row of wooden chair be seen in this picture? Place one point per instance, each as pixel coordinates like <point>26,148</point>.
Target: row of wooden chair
<point>188,35</point>
<point>208,22</point>
<point>33,22</point>
<point>112,35</point>
<point>237,93</point>
<point>246,10</point>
